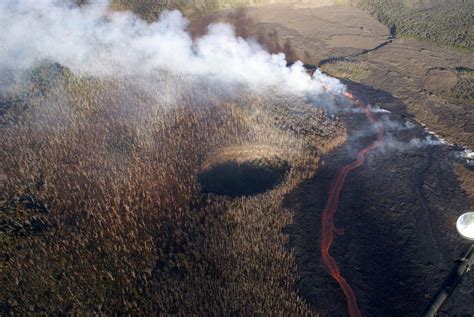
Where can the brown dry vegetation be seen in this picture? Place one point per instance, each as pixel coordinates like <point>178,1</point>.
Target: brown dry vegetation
<point>101,211</point>
<point>447,23</point>
<point>454,85</point>
<point>355,71</point>
<point>151,10</point>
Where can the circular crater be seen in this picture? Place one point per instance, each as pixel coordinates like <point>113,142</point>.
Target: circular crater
<point>243,171</point>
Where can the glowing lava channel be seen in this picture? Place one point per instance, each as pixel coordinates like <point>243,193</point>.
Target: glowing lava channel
<point>328,228</point>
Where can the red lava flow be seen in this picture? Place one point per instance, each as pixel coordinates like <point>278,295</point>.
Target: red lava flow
<point>328,228</point>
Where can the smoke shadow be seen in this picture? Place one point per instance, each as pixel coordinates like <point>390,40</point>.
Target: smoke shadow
<point>232,178</point>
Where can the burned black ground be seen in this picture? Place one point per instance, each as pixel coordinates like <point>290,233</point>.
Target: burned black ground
<point>398,212</point>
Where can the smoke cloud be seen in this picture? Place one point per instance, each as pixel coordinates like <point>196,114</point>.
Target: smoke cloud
<point>92,40</point>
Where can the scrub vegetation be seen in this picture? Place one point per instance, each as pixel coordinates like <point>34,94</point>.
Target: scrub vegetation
<point>151,10</point>
<point>447,23</point>
<point>101,209</point>
<point>353,70</point>
<point>463,91</point>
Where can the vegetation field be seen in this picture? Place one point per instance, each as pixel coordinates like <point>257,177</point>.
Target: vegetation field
<point>151,10</point>
<point>355,71</point>
<point>102,210</point>
<point>447,23</point>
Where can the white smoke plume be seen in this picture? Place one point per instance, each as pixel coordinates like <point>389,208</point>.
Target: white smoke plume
<point>95,41</point>
<point>392,144</point>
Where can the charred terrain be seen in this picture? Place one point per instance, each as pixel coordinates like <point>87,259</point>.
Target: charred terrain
<point>162,194</point>
<point>396,216</point>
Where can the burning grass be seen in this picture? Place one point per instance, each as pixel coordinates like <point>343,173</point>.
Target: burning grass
<point>108,176</point>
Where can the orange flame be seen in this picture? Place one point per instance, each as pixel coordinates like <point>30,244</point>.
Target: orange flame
<point>329,211</point>
<point>349,95</point>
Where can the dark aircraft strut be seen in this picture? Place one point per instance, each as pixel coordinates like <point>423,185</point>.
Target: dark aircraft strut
<point>462,265</point>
